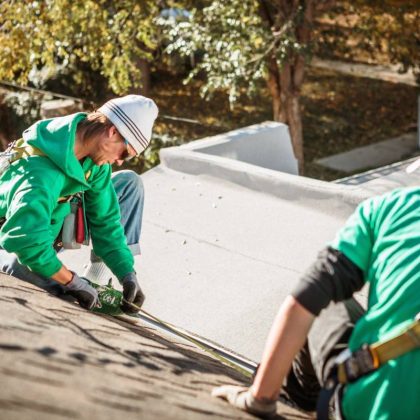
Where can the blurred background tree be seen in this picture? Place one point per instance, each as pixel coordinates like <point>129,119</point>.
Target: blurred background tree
<point>95,49</point>
<point>81,38</point>
<point>374,31</point>
<point>244,43</point>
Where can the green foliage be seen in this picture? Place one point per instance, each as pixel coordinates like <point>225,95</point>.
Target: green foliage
<point>158,142</point>
<point>234,42</point>
<point>107,36</point>
<point>150,157</point>
<point>23,110</point>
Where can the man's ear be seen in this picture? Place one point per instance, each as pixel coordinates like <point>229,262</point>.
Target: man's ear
<point>112,131</point>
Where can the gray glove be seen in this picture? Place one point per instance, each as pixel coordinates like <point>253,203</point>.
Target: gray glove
<point>86,295</point>
<point>131,293</point>
<point>242,398</point>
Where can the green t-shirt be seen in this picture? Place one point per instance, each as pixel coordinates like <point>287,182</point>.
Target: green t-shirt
<point>382,238</point>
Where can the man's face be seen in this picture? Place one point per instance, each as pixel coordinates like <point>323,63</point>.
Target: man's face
<point>112,148</point>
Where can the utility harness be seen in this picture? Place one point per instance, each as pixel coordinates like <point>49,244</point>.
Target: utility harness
<point>350,366</point>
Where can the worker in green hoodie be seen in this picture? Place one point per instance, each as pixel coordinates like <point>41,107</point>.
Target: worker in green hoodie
<point>66,161</point>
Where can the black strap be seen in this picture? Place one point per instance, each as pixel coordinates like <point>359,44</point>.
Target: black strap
<point>324,398</point>
<point>58,242</point>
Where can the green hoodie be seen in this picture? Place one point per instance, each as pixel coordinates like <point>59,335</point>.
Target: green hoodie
<point>29,193</point>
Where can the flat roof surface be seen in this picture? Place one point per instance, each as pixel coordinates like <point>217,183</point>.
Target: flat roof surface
<point>224,242</point>
<point>218,259</point>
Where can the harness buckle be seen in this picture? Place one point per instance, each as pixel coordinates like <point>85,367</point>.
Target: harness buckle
<point>354,365</point>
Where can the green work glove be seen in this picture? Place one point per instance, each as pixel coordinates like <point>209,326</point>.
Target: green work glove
<point>79,287</point>
<point>241,397</point>
<point>131,293</point>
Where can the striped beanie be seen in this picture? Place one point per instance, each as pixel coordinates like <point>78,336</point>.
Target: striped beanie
<point>133,117</point>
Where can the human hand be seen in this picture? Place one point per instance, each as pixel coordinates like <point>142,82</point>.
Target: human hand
<point>242,398</point>
<point>131,293</point>
<point>79,287</point>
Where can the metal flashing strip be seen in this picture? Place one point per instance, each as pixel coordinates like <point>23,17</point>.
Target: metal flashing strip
<point>240,363</point>
<point>236,359</point>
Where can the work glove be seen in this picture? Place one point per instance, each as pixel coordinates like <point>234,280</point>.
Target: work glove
<point>132,294</point>
<point>86,295</point>
<point>241,397</point>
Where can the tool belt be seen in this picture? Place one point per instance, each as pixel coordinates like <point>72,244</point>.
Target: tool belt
<point>350,366</point>
<point>74,232</point>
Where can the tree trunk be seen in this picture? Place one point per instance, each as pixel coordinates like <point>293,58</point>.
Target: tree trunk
<point>286,108</point>
<point>146,80</point>
<point>285,83</point>
<point>5,126</point>
<point>273,84</point>
<point>296,130</point>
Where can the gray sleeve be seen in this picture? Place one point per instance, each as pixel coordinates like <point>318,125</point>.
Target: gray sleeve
<point>333,277</point>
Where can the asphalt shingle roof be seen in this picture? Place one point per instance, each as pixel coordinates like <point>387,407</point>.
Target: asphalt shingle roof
<point>58,361</point>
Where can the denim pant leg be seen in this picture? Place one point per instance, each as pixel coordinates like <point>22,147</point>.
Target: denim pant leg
<point>130,192</point>
<point>329,335</point>
<point>9,264</point>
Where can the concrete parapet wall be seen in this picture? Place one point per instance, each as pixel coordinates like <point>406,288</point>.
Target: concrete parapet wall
<point>278,184</point>
<point>243,157</point>
<point>267,145</point>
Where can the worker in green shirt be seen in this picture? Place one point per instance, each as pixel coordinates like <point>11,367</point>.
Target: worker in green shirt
<point>65,163</point>
<point>379,245</point>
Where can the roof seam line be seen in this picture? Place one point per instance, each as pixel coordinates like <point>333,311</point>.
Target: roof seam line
<point>225,249</point>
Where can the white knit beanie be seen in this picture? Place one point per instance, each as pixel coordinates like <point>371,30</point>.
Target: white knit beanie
<point>133,116</point>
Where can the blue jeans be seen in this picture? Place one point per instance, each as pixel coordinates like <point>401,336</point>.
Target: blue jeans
<point>130,193</point>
